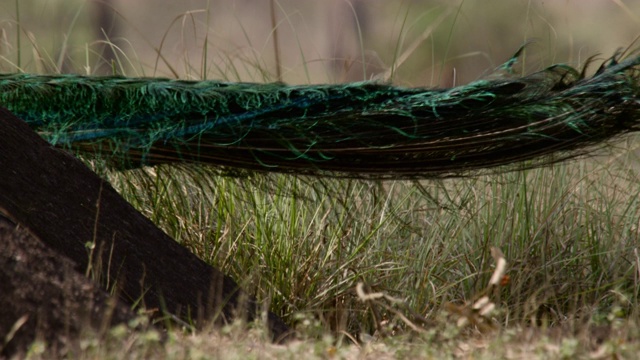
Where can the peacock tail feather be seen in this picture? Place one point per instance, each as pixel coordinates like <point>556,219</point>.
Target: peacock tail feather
<point>364,130</point>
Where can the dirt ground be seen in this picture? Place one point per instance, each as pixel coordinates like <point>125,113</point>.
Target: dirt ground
<point>45,298</point>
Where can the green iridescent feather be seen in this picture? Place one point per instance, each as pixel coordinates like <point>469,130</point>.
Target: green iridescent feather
<point>366,130</point>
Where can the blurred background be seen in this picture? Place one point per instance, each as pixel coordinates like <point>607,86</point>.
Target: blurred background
<point>410,42</point>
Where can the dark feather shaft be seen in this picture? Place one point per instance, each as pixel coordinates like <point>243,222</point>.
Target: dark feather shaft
<point>365,130</point>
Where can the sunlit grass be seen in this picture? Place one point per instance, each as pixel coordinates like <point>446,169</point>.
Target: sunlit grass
<point>568,232</point>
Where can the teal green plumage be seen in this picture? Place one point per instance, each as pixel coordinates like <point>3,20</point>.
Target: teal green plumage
<point>365,130</point>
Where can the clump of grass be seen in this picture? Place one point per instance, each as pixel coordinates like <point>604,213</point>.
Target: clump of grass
<point>568,232</point>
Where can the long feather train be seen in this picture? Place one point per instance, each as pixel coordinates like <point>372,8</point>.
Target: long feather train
<point>364,130</point>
